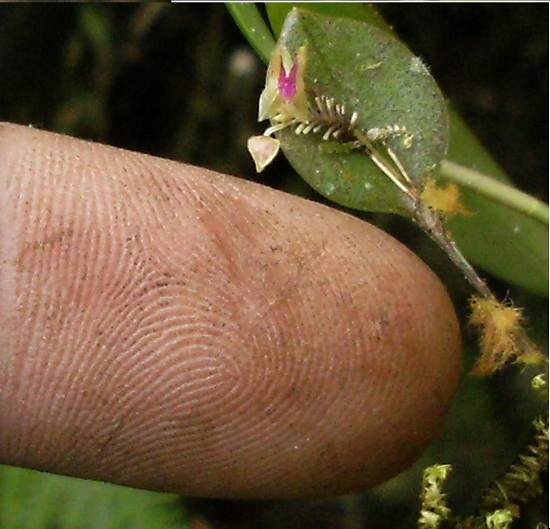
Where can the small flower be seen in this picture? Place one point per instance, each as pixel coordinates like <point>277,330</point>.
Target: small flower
<point>283,101</point>
<point>288,83</point>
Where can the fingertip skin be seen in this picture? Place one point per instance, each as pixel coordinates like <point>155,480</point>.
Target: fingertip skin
<point>171,328</point>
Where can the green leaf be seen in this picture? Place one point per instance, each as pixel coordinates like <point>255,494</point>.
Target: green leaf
<point>278,11</point>
<point>498,238</point>
<point>375,76</point>
<point>251,23</point>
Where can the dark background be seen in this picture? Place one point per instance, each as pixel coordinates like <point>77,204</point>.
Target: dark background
<point>181,82</point>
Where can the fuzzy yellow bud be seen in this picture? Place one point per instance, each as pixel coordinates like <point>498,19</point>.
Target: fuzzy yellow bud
<point>444,199</point>
<point>499,326</point>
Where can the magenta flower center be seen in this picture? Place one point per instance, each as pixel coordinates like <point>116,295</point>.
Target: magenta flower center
<point>287,83</point>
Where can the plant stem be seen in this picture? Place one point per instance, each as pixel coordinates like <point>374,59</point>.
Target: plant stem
<point>495,190</point>
<point>254,28</point>
<point>430,220</point>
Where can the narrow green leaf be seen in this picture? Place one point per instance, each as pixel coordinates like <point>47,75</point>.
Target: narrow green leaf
<point>375,77</point>
<point>498,238</point>
<point>251,23</point>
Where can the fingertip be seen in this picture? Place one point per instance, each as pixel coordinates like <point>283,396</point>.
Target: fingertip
<point>176,329</point>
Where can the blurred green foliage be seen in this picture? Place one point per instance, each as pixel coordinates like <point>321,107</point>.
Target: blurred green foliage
<point>34,500</point>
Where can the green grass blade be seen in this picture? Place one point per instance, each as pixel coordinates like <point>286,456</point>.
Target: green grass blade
<point>254,28</point>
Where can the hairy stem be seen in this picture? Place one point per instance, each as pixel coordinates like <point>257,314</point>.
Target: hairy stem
<point>430,220</point>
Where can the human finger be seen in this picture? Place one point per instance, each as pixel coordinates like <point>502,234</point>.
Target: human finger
<point>171,328</point>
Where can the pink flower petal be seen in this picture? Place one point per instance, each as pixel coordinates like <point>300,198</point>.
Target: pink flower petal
<point>287,83</point>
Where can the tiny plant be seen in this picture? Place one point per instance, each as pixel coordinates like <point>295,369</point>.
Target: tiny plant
<point>289,104</point>
<point>374,141</point>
